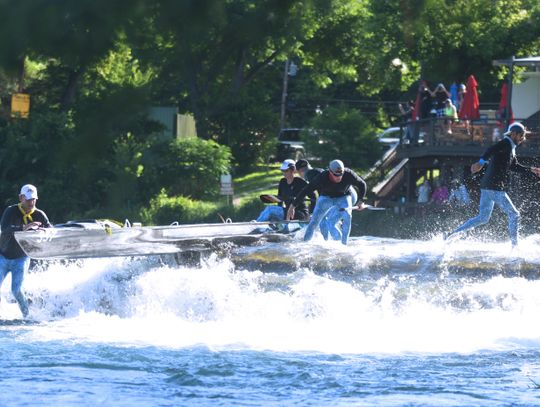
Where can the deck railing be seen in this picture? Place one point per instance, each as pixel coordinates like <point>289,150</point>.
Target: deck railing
<point>484,132</point>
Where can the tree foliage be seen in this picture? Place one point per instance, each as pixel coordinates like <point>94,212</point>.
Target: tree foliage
<point>94,67</point>
<point>190,167</point>
<point>344,133</point>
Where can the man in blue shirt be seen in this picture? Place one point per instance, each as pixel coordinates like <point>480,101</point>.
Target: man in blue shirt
<point>500,159</point>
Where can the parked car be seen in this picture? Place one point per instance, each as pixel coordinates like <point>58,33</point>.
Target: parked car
<point>389,138</point>
<point>290,145</point>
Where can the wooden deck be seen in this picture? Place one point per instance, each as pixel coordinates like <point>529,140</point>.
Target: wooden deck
<point>464,140</point>
<point>448,154</point>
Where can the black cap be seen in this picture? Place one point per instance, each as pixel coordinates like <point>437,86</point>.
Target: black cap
<point>302,164</point>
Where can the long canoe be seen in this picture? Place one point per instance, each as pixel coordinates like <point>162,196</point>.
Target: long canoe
<point>107,240</point>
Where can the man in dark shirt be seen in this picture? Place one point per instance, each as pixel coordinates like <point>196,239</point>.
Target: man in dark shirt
<point>306,171</point>
<point>329,224</point>
<point>501,158</point>
<point>289,186</point>
<point>21,217</point>
<point>334,186</point>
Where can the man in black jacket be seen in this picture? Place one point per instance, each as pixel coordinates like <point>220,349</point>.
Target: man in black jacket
<point>334,186</point>
<point>289,186</point>
<point>500,158</point>
<point>20,217</point>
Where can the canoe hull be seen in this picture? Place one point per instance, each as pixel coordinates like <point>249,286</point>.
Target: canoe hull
<point>72,243</point>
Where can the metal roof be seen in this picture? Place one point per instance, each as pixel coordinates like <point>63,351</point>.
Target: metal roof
<point>528,61</point>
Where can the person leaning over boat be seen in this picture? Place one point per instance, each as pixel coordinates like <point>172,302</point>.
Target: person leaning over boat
<point>289,186</point>
<point>20,217</point>
<point>334,215</point>
<point>500,158</point>
<point>334,187</point>
<point>306,171</point>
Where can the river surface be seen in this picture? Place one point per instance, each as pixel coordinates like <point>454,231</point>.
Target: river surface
<point>380,322</point>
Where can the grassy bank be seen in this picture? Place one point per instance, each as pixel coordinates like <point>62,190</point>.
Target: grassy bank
<point>263,181</point>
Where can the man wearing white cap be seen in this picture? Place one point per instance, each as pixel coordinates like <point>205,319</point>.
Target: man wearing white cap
<point>500,159</point>
<point>334,186</point>
<point>20,217</point>
<point>289,186</point>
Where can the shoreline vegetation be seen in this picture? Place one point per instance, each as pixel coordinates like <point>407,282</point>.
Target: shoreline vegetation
<point>135,112</point>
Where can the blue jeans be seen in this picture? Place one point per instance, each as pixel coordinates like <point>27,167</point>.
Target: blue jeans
<point>272,213</point>
<point>322,208</point>
<point>488,199</point>
<point>333,217</point>
<point>17,268</point>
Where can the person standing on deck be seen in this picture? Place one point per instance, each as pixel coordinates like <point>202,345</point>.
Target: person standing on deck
<point>20,217</point>
<point>500,159</point>
<point>333,185</point>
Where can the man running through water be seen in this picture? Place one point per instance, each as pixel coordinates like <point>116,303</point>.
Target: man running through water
<point>333,185</point>
<point>20,217</point>
<point>500,158</point>
<point>335,215</point>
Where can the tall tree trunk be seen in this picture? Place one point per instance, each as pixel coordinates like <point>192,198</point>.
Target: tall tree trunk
<point>195,98</point>
<point>71,89</point>
<point>20,87</point>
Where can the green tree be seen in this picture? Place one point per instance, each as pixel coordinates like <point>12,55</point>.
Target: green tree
<point>343,133</point>
<point>446,41</point>
<point>190,167</point>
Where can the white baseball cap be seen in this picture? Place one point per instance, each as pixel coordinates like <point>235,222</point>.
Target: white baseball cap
<point>29,191</point>
<point>287,164</point>
<point>516,126</point>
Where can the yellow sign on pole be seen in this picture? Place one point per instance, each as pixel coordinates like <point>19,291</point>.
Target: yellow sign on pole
<point>20,105</point>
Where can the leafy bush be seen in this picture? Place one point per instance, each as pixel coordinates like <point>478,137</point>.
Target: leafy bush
<point>190,167</point>
<point>345,134</point>
<point>164,210</point>
<point>247,211</point>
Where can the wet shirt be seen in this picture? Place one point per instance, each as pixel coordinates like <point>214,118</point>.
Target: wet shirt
<point>288,192</point>
<point>12,221</point>
<point>326,187</point>
<point>502,158</point>
<point>312,173</point>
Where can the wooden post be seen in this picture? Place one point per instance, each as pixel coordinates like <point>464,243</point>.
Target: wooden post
<point>509,93</point>
<point>284,96</point>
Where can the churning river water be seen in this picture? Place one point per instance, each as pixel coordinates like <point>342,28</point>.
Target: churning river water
<point>380,322</point>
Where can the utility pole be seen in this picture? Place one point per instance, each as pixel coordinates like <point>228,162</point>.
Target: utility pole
<point>290,70</point>
<point>508,114</point>
<point>284,95</point>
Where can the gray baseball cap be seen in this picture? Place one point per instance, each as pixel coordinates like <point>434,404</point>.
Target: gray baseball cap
<point>336,167</point>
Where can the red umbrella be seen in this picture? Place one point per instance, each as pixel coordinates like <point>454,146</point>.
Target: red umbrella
<point>471,106</point>
<point>503,105</point>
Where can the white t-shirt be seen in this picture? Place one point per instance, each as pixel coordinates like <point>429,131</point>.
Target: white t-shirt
<point>423,193</point>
